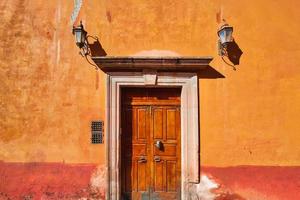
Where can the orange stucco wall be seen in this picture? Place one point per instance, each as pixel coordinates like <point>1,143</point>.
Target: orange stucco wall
<point>49,93</point>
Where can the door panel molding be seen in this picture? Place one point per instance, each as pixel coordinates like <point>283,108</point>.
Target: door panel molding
<point>190,163</point>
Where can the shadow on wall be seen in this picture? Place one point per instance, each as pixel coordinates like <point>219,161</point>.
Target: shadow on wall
<point>234,52</point>
<point>96,48</point>
<point>210,73</point>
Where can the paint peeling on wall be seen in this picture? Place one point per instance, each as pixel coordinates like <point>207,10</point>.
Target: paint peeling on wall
<point>75,13</point>
<point>97,182</point>
<point>203,190</point>
<point>255,182</point>
<point>210,188</point>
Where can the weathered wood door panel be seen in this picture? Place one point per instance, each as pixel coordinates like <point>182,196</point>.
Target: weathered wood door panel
<point>135,167</point>
<point>150,147</point>
<point>166,165</point>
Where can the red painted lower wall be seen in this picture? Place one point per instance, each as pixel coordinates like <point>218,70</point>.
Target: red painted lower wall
<point>256,182</point>
<point>47,181</point>
<point>74,181</point>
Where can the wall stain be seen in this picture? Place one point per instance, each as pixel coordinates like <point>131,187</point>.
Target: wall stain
<point>108,16</point>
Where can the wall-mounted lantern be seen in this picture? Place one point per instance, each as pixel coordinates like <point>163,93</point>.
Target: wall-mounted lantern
<point>81,38</point>
<point>227,46</point>
<point>80,35</point>
<point>225,34</point>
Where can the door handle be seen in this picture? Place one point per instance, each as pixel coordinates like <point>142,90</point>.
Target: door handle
<point>159,144</point>
<point>157,159</point>
<point>142,159</point>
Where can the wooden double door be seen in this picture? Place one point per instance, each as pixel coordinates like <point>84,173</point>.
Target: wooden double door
<point>150,147</point>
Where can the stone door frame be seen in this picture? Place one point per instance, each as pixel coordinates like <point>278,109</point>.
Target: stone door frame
<point>190,162</point>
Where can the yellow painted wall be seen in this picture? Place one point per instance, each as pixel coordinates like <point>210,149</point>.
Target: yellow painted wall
<point>49,93</point>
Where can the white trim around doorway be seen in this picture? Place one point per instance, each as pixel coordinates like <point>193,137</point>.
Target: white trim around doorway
<point>190,161</point>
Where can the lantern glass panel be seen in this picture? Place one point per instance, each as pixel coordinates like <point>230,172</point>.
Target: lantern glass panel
<point>225,34</point>
<point>78,36</point>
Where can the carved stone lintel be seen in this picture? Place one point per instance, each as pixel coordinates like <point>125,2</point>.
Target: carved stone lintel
<point>159,64</point>
<point>150,77</point>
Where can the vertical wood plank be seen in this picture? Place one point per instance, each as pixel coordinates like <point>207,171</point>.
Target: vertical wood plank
<point>171,124</point>
<point>141,121</point>
<point>158,176</point>
<point>141,178</point>
<point>171,176</point>
<point>134,129</point>
<point>158,123</point>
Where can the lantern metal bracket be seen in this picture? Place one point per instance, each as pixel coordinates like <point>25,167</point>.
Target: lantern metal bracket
<point>85,51</point>
<point>222,51</point>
